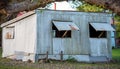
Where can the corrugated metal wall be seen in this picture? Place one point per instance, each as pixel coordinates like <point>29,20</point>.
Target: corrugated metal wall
<point>100,18</point>
<point>79,43</point>
<point>44,35</point>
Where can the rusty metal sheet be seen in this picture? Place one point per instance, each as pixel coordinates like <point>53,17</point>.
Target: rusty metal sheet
<point>65,25</point>
<point>102,27</point>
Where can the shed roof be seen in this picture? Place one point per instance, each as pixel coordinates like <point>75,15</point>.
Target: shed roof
<point>18,18</point>
<point>62,25</point>
<point>31,13</point>
<point>102,27</point>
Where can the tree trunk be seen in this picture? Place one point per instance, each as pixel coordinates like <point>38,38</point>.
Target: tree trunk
<point>9,11</point>
<point>9,8</point>
<point>25,5</point>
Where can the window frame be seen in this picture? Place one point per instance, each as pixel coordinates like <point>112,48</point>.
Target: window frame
<point>100,30</point>
<point>10,32</point>
<point>63,29</point>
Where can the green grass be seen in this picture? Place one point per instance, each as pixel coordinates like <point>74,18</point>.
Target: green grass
<point>12,64</point>
<point>116,53</point>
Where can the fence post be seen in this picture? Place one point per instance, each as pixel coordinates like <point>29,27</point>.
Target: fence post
<point>46,56</point>
<point>61,56</point>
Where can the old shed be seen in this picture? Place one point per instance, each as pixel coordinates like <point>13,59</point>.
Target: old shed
<point>58,35</point>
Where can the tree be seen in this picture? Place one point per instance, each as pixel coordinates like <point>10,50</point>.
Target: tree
<point>10,7</point>
<point>89,8</point>
<point>113,5</point>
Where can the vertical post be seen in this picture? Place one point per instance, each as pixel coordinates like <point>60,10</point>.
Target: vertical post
<point>46,56</point>
<point>54,6</point>
<point>113,22</point>
<point>36,58</point>
<point>61,56</point>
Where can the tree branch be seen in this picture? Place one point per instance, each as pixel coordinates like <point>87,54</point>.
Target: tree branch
<point>26,5</point>
<point>11,8</point>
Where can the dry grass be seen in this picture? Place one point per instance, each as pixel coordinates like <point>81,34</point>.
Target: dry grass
<point>13,64</point>
<point>57,65</point>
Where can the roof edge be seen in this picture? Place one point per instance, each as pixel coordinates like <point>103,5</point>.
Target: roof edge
<point>18,18</point>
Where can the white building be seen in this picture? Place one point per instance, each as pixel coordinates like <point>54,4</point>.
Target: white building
<point>82,35</point>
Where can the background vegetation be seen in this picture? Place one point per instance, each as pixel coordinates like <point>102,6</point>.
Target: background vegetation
<point>116,54</point>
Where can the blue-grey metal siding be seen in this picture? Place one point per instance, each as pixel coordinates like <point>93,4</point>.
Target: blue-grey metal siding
<point>79,43</point>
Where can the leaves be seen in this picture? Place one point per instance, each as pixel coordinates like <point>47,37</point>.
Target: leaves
<point>89,8</point>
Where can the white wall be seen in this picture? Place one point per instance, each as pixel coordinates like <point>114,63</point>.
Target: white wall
<point>24,37</point>
<point>8,45</point>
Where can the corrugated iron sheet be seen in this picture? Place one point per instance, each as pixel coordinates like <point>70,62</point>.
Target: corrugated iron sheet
<point>65,25</point>
<point>102,27</point>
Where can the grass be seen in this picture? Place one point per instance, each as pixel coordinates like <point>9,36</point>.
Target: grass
<point>12,64</point>
<point>116,54</point>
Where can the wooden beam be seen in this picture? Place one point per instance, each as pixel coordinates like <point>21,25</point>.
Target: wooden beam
<point>64,34</point>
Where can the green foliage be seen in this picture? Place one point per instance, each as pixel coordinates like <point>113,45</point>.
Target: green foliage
<point>117,34</point>
<point>117,22</point>
<point>117,30</point>
<point>117,18</point>
<point>89,8</point>
<point>71,59</point>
